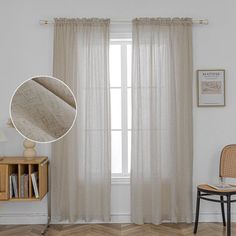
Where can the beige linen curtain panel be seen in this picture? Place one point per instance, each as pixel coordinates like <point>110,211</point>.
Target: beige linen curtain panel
<point>81,161</point>
<point>161,153</point>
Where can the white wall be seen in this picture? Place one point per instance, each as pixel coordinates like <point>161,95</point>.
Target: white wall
<point>26,50</point>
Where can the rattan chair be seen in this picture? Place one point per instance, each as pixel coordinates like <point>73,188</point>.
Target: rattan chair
<point>227,169</point>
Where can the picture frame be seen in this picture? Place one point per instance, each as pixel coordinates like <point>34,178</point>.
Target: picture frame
<point>211,88</point>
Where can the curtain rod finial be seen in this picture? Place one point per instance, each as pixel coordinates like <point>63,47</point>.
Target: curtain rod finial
<point>44,22</point>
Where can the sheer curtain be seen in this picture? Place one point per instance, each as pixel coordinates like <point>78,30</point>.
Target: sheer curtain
<point>81,161</point>
<point>161,153</point>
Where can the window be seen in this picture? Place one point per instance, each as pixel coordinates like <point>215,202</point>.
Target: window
<point>120,90</point>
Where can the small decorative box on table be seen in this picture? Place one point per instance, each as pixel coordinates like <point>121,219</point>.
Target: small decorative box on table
<point>23,179</point>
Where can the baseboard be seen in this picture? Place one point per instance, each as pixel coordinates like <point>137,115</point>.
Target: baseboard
<point>213,217</point>
<point>26,218</point>
<point>120,218</point>
<point>203,217</point>
<point>41,218</point>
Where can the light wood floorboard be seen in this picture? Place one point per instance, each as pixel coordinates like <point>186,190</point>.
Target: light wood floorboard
<point>205,229</point>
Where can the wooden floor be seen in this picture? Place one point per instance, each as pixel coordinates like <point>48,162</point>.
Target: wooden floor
<point>205,229</point>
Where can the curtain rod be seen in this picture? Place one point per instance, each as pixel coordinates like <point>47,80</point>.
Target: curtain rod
<point>194,21</point>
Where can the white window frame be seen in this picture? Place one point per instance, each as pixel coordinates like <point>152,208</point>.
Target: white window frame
<point>123,38</point>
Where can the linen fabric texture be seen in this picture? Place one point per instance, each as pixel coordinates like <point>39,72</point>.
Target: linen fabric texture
<point>162,143</point>
<point>41,114</point>
<point>81,161</point>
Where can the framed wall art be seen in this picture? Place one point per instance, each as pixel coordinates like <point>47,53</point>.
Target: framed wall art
<point>211,88</point>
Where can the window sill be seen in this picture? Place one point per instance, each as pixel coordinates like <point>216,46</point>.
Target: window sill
<point>120,180</point>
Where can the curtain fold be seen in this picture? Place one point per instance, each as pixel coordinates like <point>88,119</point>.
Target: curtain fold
<point>81,161</point>
<point>161,152</point>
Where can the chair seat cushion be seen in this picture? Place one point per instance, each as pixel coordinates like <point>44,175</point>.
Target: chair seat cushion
<point>207,188</point>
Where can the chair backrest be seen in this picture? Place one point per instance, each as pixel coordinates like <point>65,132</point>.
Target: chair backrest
<point>228,161</point>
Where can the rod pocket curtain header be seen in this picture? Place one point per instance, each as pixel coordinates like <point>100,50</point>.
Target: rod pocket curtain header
<point>82,21</point>
<point>163,21</point>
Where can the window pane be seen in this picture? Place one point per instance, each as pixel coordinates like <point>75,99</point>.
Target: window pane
<point>116,108</point>
<point>129,106</point>
<point>129,151</point>
<point>116,152</point>
<point>129,64</point>
<point>115,65</point>
<point>120,75</point>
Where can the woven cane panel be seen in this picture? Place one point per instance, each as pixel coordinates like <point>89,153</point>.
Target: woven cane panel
<point>228,162</point>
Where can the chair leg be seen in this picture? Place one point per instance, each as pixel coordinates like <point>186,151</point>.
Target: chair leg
<point>228,215</point>
<point>223,210</point>
<point>197,212</point>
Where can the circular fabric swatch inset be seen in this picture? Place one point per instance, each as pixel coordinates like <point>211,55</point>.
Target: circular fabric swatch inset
<point>43,109</point>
